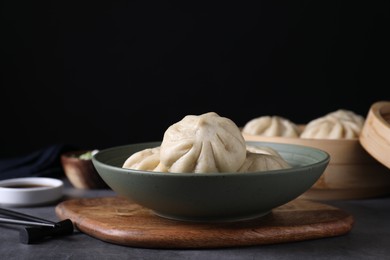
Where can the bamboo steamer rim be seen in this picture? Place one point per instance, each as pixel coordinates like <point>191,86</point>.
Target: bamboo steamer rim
<point>375,135</point>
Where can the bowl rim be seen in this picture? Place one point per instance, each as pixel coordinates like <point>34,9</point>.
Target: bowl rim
<point>324,154</point>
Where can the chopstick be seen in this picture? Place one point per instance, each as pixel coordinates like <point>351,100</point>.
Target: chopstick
<point>41,229</point>
<point>25,222</point>
<point>36,220</point>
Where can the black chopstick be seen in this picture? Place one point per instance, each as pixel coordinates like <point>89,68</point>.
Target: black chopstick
<point>25,222</point>
<point>22,216</point>
<point>37,228</point>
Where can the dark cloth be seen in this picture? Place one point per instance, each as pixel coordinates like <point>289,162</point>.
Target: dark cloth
<point>45,162</point>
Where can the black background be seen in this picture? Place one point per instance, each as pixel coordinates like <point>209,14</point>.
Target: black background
<point>105,73</point>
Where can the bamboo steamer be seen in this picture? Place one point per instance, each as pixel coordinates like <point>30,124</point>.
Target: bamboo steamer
<point>358,168</point>
<point>375,136</point>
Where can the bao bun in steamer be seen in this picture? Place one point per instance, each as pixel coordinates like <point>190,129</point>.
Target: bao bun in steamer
<point>352,172</point>
<point>271,126</point>
<point>340,124</point>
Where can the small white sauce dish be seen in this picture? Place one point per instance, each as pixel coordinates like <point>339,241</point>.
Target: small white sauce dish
<point>30,191</point>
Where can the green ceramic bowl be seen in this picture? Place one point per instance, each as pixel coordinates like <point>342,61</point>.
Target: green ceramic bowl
<point>212,196</point>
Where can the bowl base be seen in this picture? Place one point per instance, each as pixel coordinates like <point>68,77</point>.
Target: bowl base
<point>213,218</point>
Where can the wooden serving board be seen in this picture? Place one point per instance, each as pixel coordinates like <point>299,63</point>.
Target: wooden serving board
<point>119,221</point>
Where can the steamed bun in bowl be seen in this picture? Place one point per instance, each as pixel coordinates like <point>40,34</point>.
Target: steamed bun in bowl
<point>256,162</point>
<point>147,160</point>
<point>204,143</point>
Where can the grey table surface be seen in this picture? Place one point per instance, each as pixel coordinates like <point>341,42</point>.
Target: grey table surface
<point>368,239</point>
